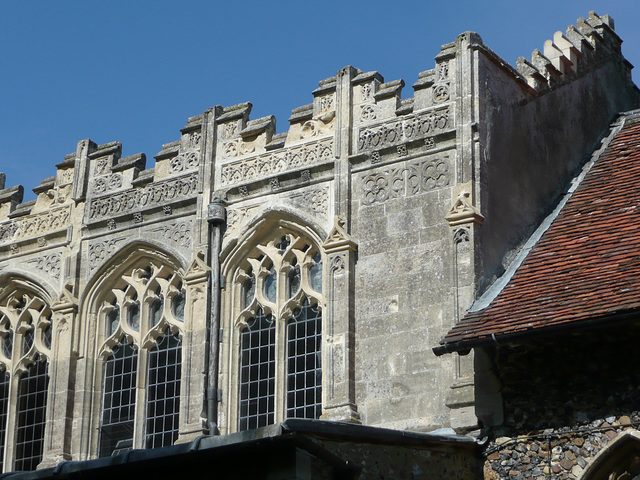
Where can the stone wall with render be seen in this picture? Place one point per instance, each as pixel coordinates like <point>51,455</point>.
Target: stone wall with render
<point>565,400</point>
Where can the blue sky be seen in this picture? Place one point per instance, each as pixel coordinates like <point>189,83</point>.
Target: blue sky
<point>134,71</point>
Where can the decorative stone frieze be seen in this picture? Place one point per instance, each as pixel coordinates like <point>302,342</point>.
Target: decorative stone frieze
<point>400,131</point>
<point>272,163</point>
<point>155,194</point>
<point>35,225</point>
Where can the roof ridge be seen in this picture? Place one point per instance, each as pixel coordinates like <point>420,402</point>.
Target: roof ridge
<point>501,282</point>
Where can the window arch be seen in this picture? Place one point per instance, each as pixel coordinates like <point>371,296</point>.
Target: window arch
<point>277,313</point>
<point>141,323</point>
<point>25,351</point>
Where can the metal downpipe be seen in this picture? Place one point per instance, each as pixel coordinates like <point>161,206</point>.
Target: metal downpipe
<point>216,216</point>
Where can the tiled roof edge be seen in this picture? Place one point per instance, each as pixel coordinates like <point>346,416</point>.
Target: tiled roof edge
<point>492,292</point>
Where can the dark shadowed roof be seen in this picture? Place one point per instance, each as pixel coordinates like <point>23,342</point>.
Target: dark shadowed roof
<point>585,267</point>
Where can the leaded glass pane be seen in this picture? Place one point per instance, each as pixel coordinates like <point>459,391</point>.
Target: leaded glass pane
<point>134,316</point>
<point>270,286</point>
<point>294,281</point>
<point>316,273</point>
<point>304,370</point>
<point>178,307</point>
<point>4,409</point>
<point>257,372</point>
<point>46,336</point>
<point>119,397</point>
<point>248,292</point>
<point>156,311</point>
<point>7,344</point>
<point>113,317</point>
<point>27,340</point>
<point>163,392</point>
<point>32,406</point>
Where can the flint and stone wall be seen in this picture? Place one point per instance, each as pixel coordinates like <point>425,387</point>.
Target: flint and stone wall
<point>565,400</point>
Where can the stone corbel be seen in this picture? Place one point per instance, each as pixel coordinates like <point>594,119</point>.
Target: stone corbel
<point>192,398</point>
<point>338,377</point>
<point>463,210</point>
<point>57,447</point>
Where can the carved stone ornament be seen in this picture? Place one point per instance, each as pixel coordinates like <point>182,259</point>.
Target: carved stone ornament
<point>442,71</point>
<point>338,239</point>
<point>430,143</point>
<point>49,264</point>
<point>404,180</point>
<point>402,131</point>
<point>367,113</point>
<point>316,200</point>
<point>440,93</point>
<point>66,299</point>
<point>139,198</point>
<point>101,251</point>
<point>185,162</point>
<point>463,211</point>
<point>107,184</point>
<point>177,232</point>
<point>366,91</point>
<point>198,270</point>
<point>273,163</point>
<point>35,225</point>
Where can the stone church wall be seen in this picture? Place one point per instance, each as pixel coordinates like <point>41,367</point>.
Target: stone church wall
<point>411,203</point>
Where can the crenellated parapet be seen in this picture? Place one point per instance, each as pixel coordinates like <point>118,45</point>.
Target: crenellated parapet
<point>581,49</point>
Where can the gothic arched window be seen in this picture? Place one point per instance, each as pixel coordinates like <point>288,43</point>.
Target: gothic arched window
<point>142,317</point>
<point>278,293</point>
<point>25,343</point>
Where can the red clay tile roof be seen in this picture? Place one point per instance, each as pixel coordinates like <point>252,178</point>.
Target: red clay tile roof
<point>585,266</point>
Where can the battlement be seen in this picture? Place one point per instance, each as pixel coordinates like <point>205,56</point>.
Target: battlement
<point>242,150</point>
<point>581,49</point>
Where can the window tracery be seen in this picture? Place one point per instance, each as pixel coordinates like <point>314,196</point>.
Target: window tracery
<point>25,336</point>
<point>142,317</point>
<point>278,291</point>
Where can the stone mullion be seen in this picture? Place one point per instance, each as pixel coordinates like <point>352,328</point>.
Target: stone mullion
<point>280,380</point>
<point>58,430</point>
<point>139,424</point>
<point>194,340</point>
<point>10,444</point>
<point>338,343</point>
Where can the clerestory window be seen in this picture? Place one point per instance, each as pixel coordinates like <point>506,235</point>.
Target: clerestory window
<point>142,317</point>
<point>25,349</point>
<point>279,289</point>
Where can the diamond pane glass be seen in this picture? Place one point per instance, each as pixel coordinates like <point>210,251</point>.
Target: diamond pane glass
<point>7,344</point>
